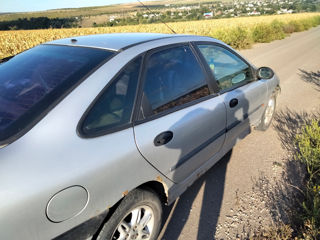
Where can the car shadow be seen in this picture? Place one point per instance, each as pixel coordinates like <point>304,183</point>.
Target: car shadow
<point>176,215</point>
<point>211,186</point>
<point>288,124</point>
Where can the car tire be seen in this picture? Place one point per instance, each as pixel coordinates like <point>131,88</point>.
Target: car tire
<point>268,114</point>
<point>138,216</point>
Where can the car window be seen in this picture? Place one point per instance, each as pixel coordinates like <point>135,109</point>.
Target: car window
<point>228,69</point>
<point>114,107</point>
<point>173,77</point>
<point>33,80</point>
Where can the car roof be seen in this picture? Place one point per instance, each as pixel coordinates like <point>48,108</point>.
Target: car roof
<point>113,41</point>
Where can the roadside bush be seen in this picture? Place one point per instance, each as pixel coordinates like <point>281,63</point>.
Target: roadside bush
<point>309,150</point>
<point>241,37</point>
<point>264,32</point>
<point>278,232</point>
<point>277,29</point>
<point>297,25</point>
<point>308,153</point>
<point>288,28</point>
<point>307,24</point>
<point>315,21</point>
<point>237,37</point>
<point>304,222</point>
<point>301,25</point>
<point>261,33</point>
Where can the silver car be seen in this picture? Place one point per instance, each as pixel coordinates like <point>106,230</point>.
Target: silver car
<point>98,132</point>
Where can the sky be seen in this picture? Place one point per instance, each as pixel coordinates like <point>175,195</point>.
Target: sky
<point>40,5</point>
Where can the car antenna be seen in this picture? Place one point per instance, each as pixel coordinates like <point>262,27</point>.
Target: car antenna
<point>160,18</point>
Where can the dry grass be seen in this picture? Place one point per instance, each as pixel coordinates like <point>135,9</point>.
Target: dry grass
<point>13,42</point>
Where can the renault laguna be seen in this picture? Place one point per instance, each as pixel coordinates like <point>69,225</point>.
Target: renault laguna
<point>98,132</point>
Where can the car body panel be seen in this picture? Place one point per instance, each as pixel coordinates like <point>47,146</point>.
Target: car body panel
<point>198,134</point>
<point>251,100</point>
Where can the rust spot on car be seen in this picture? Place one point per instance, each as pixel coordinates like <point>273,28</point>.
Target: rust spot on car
<point>125,193</point>
<point>160,180</point>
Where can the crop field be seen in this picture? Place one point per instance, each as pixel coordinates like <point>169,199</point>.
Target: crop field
<point>237,32</point>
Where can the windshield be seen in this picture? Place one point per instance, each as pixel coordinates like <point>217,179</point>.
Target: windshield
<point>33,80</point>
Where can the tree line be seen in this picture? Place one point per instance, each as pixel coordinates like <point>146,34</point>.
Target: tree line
<point>39,23</point>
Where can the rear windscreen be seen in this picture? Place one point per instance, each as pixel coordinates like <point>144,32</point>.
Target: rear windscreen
<point>34,80</point>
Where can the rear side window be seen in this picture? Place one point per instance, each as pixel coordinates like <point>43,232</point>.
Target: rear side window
<point>228,69</point>
<point>173,78</point>
<point>33,80</point>
<point>114,108</point>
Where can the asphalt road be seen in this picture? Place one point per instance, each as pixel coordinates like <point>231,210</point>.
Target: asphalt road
<point>239,194</point>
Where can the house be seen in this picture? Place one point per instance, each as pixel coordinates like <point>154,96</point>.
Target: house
<point>253,13</point>
<point>208,15</point>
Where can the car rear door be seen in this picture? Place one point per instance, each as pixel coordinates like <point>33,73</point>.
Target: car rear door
<point>243,95</point>
<point>181,123</point>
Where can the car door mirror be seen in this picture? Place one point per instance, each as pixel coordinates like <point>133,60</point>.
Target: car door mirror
<point>238,78</point>
<point>265,73</point>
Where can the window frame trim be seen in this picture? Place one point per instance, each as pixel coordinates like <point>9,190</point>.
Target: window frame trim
<point>219,90</point>
<point>173,110</point>
<point>148,54</point>
<point>106,131</point>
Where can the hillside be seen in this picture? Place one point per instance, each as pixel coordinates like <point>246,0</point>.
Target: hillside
<point>97,10</point>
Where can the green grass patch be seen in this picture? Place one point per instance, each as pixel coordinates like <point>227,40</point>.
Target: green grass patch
<point>242,37</point>
<point>266,32</point>
<point>237,37</point>
<point>301,25</point>
<point>305,217</point>
<point>308,153</point>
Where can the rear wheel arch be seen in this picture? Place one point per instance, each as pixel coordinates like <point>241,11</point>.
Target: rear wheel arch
<point>138,215</point>
<point>158,187</point>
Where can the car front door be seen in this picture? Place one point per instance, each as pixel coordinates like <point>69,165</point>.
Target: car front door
<point>244,97</point>
<point>181,124</point>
